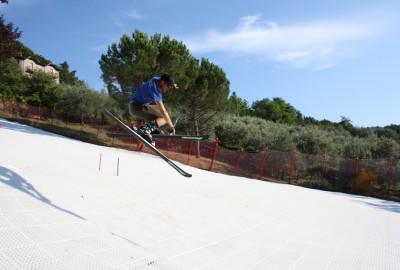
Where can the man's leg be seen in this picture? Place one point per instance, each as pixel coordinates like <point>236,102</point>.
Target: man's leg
<point>155,112</point>
<point>150,116</point>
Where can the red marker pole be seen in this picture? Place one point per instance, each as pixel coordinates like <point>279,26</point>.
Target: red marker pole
<point>293,160</point>
<point>238,159</point>
<point>263,161</point>
<point>214,153</point>
<point>190,150</point>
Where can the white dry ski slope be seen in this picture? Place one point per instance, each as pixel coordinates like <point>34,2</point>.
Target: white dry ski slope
<point>59,211</point>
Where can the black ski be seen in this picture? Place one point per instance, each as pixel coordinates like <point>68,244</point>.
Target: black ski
<point>137,136</point>
<point>163,136</point>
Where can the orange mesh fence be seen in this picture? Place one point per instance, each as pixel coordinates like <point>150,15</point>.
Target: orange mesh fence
<point>377,177</point>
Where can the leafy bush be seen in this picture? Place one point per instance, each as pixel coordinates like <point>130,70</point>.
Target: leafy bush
<point>255,132</point>
<point>82,100</point>
<point>310,140</point>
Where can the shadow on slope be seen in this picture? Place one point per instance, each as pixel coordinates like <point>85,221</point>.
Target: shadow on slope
<point>13,179</point>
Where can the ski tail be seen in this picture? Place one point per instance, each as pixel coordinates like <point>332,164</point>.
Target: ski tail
<point>149,145</point>
<point>181,137</point>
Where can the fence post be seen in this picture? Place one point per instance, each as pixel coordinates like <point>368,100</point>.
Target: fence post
<point>81,123</point>
<point>40,110</point>
<point>323,166</point>
<point>52,115</point>
<point>356,167</point>
<point>214,154</point>
<point>190,151</point>
<point>66,120</point>
<point>25,110</point>
<point>238,159</point>
<point>357,160</point>
<point>130,148</point>
<point>39,113</point>
<point>292,165</point>
<point>390,174</point>
<point>98,129</point>
<point>263,160</point>
<point>11,107</point>
<point>139,144</point>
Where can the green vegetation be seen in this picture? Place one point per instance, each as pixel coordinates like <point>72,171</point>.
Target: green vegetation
<point>12,83</point>
<point>254,133</point>
<point>9,46</point>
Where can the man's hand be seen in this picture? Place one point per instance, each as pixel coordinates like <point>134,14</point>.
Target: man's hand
<point>171,131</point>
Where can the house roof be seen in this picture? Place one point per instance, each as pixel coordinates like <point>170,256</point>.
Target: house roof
<point>56,67</point>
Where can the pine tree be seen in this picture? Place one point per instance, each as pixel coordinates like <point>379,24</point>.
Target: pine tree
<point>9,47</point>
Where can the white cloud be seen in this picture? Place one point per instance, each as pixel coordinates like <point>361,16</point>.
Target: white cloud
<point>133,14</point>
<point>317,44</point>
<point>121,18</point>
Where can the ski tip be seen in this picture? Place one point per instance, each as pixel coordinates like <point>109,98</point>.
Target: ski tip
<point>182,172</point>
<point>178,169</point>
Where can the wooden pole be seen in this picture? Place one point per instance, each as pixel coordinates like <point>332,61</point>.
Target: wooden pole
<point>238,159</point>
<point>214,153</point>
<point>263,160</point>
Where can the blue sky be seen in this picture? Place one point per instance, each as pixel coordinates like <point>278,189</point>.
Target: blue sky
<point>326,58</point>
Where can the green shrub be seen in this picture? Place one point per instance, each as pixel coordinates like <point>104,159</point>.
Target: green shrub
<point>255,133</point>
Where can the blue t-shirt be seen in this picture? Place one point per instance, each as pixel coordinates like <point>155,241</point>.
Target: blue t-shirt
<point>147,92</point>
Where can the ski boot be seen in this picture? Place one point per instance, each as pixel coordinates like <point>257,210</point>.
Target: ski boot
<point>146,131</point>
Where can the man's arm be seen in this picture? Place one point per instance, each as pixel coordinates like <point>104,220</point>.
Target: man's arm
<point>165,114</point>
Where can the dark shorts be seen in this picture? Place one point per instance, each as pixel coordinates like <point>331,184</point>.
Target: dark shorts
<point>144,112</point>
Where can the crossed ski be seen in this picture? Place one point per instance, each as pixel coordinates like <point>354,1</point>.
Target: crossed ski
<point>149,145</point>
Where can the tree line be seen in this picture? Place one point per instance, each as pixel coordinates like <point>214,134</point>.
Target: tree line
<point>203,103</point>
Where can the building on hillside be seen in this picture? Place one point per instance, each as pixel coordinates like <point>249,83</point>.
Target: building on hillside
<point>29,65</point>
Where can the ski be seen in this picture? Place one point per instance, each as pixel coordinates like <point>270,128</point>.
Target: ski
<point>163,136</point>
<point>137,136</point>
